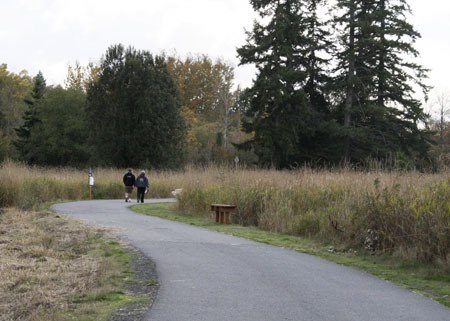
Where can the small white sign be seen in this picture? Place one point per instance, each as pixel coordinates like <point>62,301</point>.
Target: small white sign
<point>91,180</point>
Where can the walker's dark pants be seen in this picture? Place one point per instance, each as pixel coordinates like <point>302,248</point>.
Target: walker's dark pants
<point>140,194</point>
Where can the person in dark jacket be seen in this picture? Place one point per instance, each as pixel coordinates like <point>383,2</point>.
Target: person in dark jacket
<point>142,186</point>
<point>129,180</point>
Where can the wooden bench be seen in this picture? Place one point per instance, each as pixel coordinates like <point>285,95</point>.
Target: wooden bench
<point>223,212</point>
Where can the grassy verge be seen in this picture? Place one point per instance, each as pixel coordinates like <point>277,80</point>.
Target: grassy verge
<point>54,268</point>
<point>425,279</point>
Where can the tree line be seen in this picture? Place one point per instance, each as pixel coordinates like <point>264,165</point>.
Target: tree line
<point>335,83</point>
<point>133,109</point>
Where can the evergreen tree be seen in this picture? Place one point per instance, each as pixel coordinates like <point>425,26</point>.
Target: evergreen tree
<point>317,47</point>
<point>60,136</point>
<point>286,106</point>
<point>30,118</point>
<point>379,113</point>
<point>133,111</point>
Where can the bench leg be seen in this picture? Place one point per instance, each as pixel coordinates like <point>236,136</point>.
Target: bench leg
<point>222,217</point>
<point>227,218</point>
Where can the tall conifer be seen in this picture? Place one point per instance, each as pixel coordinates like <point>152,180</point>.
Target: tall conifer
<point>133,111</point>
<point>380,115</point>
<point>30,118</point>
<point>286,103</point>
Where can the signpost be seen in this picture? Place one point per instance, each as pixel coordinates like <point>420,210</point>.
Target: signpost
<point>91,182</point>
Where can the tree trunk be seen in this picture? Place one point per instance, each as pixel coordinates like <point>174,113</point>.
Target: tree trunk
<point>350,79</point>
<point>381,75</point>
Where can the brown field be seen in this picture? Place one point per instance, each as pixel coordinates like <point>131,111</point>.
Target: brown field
<point>54,269</point>
<point>397,213</point>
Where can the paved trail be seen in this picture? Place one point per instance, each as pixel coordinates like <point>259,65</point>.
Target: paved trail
<point>209,276</point>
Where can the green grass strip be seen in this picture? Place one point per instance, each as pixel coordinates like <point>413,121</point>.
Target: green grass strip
<point>424,279</point>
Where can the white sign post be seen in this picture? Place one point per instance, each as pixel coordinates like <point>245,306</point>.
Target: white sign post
<point>91,182</point>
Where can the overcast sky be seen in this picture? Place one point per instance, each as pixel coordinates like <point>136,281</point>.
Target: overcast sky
<point>48,35</point>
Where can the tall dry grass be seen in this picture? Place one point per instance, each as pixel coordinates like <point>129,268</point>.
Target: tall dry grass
<point>26,187</point>
<point>401,213</point>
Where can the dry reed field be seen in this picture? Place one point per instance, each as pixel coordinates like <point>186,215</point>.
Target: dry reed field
<point>406,214</point>
<point>28,187</point>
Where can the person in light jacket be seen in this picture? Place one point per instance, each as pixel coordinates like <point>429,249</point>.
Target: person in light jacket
<point>142,186</point>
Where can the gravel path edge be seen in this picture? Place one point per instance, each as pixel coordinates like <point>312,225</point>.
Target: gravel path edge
<point>145,284</point>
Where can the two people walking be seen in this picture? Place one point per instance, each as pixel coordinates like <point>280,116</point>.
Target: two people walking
<point>141,183</point>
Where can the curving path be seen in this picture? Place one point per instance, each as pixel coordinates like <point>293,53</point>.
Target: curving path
<point>209,276</point>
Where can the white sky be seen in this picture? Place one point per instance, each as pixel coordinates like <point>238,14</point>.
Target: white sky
<point>47,35</point>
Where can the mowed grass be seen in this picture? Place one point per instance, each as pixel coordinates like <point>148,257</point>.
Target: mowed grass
<point>53,268</point>
<point>426,279</point>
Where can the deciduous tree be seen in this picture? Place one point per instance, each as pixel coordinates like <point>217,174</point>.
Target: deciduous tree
<point>79,77</point>
<point>13,89</point>
<point>207,98</point>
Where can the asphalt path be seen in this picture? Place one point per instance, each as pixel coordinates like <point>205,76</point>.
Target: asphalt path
<point>210,276</point>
